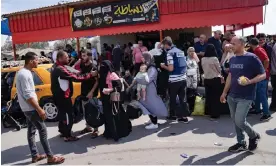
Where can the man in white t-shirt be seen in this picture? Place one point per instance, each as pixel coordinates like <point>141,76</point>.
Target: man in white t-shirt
<point>35,115</point>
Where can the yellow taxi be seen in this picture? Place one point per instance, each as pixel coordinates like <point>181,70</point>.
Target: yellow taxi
<point>42,81</point>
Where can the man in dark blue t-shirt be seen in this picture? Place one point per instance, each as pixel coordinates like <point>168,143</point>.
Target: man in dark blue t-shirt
<point>215,40</point>
<point>245,71</point>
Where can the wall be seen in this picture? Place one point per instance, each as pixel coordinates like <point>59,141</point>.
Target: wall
<point>174,34</point>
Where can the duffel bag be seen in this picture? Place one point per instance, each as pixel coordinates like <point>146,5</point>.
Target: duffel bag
<point>133,111</point>
<point>93,115</point>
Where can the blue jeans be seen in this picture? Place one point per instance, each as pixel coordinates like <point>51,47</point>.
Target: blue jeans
<point>261,97</point>
<point>239,109</point>
<point>36,123</point>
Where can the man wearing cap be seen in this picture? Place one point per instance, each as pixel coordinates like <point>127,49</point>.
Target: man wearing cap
<point>176,65</point>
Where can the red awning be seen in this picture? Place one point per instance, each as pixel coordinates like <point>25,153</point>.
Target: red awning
<point>167,22</point>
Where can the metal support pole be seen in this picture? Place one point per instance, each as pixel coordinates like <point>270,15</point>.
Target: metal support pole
<point>14,50</point>
<point>224,28</point>
<point>161,35</point>
<point>78,45</point>
<point>255,30</point>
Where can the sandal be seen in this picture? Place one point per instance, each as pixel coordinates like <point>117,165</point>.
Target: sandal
<point>55,160</point>
<point>38,158</point>
<point>71,139</point>
<point>95,134</point>
<point>86,130</point>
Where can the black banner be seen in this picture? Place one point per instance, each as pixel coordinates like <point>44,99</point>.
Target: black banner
<point>119,13</point>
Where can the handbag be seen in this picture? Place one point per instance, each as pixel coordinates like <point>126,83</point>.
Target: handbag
<point>115,96</point>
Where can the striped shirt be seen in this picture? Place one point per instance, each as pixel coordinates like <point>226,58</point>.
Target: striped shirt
<point>175,78</point>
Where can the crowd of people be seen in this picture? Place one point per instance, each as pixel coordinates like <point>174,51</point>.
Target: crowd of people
<point>235,81</point>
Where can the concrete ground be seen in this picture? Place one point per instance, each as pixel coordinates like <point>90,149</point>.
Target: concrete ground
<point>163,146</point>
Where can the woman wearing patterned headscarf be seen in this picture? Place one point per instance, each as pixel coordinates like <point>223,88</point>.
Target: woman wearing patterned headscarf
<point>153,105</point>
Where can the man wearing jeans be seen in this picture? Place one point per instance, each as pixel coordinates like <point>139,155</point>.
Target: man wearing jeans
<point>35,115</point>
<point>245,71</point>
<point>261,91</point>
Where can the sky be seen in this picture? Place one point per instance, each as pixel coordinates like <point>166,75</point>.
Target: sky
<point>8,6</point>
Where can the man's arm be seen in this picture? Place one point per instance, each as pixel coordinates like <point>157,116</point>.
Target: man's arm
<point>264,57</point>
<point>168,68</point>
<point>266,64</point>
<point>201,54</point>
<point>170,64</point>
<point>95,85</point>
<point>126,83</point>
<point>76,77</point>
<point>72,60</point>
<point>260,72</point>
<point>258,78</point>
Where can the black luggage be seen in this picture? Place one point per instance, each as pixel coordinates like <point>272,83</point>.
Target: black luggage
<point>133,111</point>
<point>93,115</point>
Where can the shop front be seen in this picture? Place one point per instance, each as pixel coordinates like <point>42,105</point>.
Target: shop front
<point>128,21</point>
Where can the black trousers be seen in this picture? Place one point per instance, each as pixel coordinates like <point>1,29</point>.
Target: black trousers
<point>178,89</point>
<point>213,91</point>
<point>162,84</point>
<point>273,99</point>
<point>191,96</point>
<point>153,119</point>
<point>65,109</point>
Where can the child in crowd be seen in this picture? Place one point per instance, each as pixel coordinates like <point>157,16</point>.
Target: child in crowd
<point>192,76</point>
<point>141,89</point>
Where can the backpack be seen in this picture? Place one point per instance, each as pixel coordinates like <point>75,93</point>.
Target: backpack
<point>93,113</point>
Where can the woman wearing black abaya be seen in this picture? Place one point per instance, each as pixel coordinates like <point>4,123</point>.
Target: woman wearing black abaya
<point>117,124</point>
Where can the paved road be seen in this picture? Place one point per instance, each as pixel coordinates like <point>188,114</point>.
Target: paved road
<point>162,146</point>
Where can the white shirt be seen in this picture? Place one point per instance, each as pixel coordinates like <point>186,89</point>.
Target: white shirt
<point>25,89</point>
<point>54,56</point>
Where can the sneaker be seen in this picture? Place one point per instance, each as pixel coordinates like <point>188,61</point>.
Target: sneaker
<point>148,122</point>
<point>265,117</point>
<point>253,143</point>
<point>152,126</point>
<point>237,148</point>
<point>183,120</point>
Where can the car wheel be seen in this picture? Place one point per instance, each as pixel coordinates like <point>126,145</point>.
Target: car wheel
<point>50,109</point>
